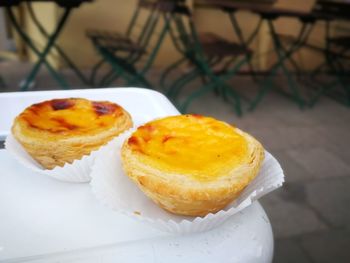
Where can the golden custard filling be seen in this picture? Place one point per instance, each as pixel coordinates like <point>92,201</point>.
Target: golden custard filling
<point>201,147</point>
<point>73,116</point>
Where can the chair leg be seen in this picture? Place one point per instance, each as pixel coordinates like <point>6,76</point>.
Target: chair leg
<point>265,87</point>
<point>236,99</point>
<point>216,81</point>
<point>175,89</point>
<point>42,55</point>
<point>2,83</point>
<point>293,87</point>
<point>341,76</point>
<point>194,95</point>
<point>94,71</point>
<point>140,79</point>
<point>323,90</point>
<point>205,89</point>
<point>121,70</point>
<point>108,78</point>
<point>227,90</point>
<point>63,55</point>
<point>168,70</point>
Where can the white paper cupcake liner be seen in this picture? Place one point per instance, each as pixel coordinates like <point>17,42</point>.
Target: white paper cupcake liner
<point>116,191</point>
<point>76,172</point>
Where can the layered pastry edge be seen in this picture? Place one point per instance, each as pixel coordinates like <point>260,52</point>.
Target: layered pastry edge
<point>186,195</point>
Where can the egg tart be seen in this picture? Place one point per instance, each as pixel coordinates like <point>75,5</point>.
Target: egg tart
<point>191,164</point>
<point>59,131</point>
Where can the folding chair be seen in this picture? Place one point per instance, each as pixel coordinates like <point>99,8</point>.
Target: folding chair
<point>284,55</point>
<point>337,56</point>
<point>125,52</point>
<point>214,59</point>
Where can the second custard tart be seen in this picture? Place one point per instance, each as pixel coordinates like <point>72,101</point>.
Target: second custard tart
<point>191,164</point>
<point>60,131</point>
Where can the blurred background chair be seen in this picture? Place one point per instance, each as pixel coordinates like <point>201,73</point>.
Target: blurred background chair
<point>308,86</point>
<point>132,54</point>
<point>336,53</point>
<point>212,58</point>
<point>284,54</point>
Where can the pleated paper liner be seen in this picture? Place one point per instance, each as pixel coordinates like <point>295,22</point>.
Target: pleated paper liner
<point>77,172</point>
<point>115,190</point>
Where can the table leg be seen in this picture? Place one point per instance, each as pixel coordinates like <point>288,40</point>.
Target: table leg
<point>42,55</point>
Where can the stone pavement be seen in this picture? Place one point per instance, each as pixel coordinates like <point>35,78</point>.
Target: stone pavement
<point>310,214</point>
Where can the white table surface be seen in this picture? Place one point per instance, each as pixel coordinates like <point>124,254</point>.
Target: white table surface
<point>44,220</point>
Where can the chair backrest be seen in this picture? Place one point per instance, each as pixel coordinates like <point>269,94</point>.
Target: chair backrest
<point>159,17</point>
<point>146,20</point>
<point>338,9</point>
<point>183,31</point>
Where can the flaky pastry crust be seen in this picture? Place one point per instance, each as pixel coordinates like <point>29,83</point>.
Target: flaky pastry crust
<point>60,131</point>
<point>191,164</point>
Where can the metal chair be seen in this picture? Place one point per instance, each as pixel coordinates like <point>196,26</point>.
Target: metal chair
<point>335,51</point>
<point>337,56</point>
<point>213,59</point>
<point>131,55</point>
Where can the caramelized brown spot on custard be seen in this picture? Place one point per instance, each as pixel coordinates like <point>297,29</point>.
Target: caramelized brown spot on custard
<point>62,104</point>
<point>135,144</point>
<point>64,124</point>
<point>35,109</point>
<point>166,138</point>
<point>104,108</point>
<point>147,128</point>
<point>133,141</point>
<point>197,115</point>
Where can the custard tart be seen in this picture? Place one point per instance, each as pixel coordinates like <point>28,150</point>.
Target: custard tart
<point>191,164</point>
<point>59,131</point>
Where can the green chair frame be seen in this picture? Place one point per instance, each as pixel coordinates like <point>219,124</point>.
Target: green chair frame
<point>244,41</point>
<point>59,50</point>
<point>187,41</point>
<point>123,53</point>
<point>334,65</point>
<point>2,82</point>
<point>42,54</point>
<point>284,55</point>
